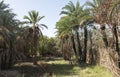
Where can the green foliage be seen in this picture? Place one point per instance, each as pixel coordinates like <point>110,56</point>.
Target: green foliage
<point>7,17</point>
<point>8,25</point>
<point>34,32</point>
<point>63,26</point>
<point>34,19</point>
<point>46,45</point>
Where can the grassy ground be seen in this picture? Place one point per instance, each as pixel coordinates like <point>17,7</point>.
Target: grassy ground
<point>60,68</point>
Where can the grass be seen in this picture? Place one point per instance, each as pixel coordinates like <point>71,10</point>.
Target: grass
<point>61,68</point>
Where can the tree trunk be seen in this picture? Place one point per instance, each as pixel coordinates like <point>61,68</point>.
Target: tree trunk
<point>85,45</point>
<point>116,38</point>
<point>35,59</point>
<point>35,42</point>
<point>73,45</point>
<point>104,36</point>
<point>91,51</point>
<point>79,47</point>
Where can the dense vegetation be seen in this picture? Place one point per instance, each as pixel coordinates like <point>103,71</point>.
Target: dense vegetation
<point>86,34</point>
<point>91,32</point>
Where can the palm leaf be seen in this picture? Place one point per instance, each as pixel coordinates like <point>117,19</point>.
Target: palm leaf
<point>39,18</point>
<point>77,5</point>
<point>26,17</point>
<point>72,5</point>
<point>89,3</point>
<point>44,26</point>
<point>65,12</point>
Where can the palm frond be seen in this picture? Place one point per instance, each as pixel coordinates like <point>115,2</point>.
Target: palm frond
<point>29,20</point>
<point>31,16</point>
<point>77,5</point>
<point>72,5</point>
<point>65,13</point>
<point>91,4</point>
<point>39,18</point>
<point>44,26</point>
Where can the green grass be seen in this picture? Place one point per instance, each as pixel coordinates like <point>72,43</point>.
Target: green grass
<point>62,68</point>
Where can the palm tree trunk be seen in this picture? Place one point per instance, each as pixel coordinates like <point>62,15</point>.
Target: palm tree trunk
<point>11,57</point>
<point>116,38</point>
<point>91,51</point>
<point>85,44</point>
<point>73,45</point>
<point>79,47</point>
<point>104,36</point>
<point>35,42</point>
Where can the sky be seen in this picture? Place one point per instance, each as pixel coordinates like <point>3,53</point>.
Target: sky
<point>49,8</point>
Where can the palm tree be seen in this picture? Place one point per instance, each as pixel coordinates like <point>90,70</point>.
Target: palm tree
<point>80,18</point>
<point>65,35</point>
<point>35,31</point>
<point>100,17</point>
<point>102,12</point>
<point>8,25</point>
<point>107,12</point>
<point>74,11</point>
<point>114,18</point>
<point>85,21</point>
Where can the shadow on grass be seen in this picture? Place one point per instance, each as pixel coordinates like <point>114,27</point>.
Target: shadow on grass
<point>85,65</point>
<point>37,71</point>
<point>61,69</point>
<point>30,71</point>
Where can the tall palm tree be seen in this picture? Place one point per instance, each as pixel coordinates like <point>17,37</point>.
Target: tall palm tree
<point>85,21</point>
<point>64,32</point>
<point>80,18</point>
<point>107,12</point>
<point>114,18</point>
<point>8,25</point>
<point>35,31</point>
<point>74,11</point>
<point>98,13</point>
<point>102,12</point>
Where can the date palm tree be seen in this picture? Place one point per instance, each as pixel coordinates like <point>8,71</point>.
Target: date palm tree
<point>74,11</point>
<point>65,35</point>
<point>80,18</point>
<point>34,32</point>
<point>86,20</point>
<point>107,12</point>
<point>99,16</point>
<point>114,19</point>
<point>8,25</point>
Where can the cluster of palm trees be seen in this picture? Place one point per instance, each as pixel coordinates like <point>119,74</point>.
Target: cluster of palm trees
<point>81,22</point>
<point>76,19</point>
<point>8,26</point>
<point>77,31</point>
<point>18,42</point>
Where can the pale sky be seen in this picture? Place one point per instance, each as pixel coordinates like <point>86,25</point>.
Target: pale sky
<point>48,8</point>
